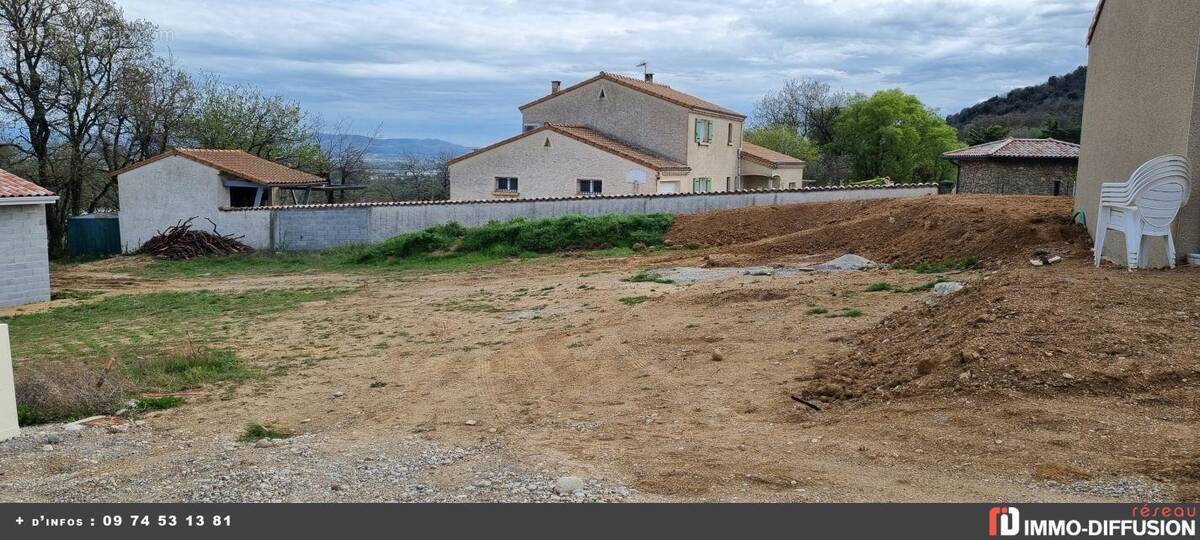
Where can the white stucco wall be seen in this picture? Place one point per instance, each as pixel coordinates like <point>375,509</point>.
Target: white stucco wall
<point>544,171</point>
<point>160,194</point>
<point>24,261</point>
<point>628,115</point>
<point>717,160</point>
<point>754,174</point>
<point>8,395</point>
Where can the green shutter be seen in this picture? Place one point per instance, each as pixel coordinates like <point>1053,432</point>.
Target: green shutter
<point>708,131</point>
<point>696,129</point>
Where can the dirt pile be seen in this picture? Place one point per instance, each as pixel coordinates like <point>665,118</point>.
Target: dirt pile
<point>1065,329</point>
<point>908,231</point>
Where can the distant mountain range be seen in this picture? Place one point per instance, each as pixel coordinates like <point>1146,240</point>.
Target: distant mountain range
<point>397,149</point>
<point>1026,111</point>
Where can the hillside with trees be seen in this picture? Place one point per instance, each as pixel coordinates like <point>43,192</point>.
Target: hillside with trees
<point>1051,109</point>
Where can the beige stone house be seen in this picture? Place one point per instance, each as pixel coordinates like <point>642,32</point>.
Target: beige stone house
<point>614,135</point>
<point>1142,101</point>
<point>1017,167</point>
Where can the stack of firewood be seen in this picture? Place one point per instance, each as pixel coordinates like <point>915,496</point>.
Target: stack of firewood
<point>180,242</point>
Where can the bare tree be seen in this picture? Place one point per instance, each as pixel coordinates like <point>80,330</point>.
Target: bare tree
<point>807,106</point>
<point>344,155</point>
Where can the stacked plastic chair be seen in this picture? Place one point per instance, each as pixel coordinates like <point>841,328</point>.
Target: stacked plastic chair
<point>1144,207</point>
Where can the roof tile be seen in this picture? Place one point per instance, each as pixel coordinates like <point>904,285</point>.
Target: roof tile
<point>592,138</point>
<point>766,156</point>
<point>240,164</point>
<point>12,186</point>
<point>660,91</point>
<point>1018,148</point>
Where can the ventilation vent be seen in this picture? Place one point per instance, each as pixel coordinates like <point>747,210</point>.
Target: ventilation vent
<point>547,143</point>
<point>601,93</point>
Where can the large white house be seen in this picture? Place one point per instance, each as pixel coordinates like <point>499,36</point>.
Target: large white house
<point>614,135</point>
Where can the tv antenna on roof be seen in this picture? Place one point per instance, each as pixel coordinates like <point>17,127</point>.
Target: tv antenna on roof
<point>645,67</point>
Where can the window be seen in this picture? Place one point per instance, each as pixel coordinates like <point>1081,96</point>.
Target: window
<point>703,131</point>
<point>701,185</point>
<point>729,141</point>
<point>244,197</point>
<point>591,187</point>
<point>506,183</point>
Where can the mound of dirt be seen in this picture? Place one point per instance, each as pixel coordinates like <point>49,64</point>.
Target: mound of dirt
<point>1065,329</point>
<point>908,231</point>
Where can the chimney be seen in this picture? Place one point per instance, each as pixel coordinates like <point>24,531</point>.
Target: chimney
<point>649,77</point>
<point>554,86</point>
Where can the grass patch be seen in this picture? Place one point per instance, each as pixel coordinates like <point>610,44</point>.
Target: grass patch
<point>939,267</point>
<point>647,276</point>
<point>880,286</point>
<point>173,371</point>
<point>159,403</point>
<point>817,311</point>
<point>254,432</point>
<point>846,312</point>
<point>114,325</point>
<point>922,287</point>
<point>634,300</point>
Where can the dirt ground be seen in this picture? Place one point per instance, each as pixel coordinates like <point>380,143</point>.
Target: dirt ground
<point>1060,383</point>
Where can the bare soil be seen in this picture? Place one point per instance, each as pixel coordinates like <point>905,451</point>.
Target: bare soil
<point>1080,385</point>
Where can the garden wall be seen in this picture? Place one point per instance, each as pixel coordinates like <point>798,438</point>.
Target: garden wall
<point>311,227</point>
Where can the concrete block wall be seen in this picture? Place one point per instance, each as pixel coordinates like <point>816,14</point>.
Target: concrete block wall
<point>316,227</point>
<point>24,261</point>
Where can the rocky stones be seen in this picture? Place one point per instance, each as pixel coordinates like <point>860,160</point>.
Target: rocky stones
<point>52,438</point>
<point>338,394</point>
<point>947,288</point>
<point>846,263</point>
<point>717,356</point>
<point>266,443</point>
<point>118,428</point>
<point>472,422</point>
<point>567,485</point>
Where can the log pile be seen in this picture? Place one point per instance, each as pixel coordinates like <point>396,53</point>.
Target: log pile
<point>181,242</point>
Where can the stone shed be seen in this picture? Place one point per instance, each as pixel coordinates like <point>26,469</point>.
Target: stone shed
<point>1017,167</point>
<point>24,257</point>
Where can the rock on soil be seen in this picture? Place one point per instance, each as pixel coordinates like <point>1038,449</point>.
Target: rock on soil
<point>846,263</point>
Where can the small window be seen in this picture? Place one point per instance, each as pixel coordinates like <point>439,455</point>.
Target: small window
<point>243,197</point>
<point>703,131</point>
<point>729,141</point>
<point>791,185</point>
<point>591,187</point>
<point>506,183</point>
<point>701,185</point>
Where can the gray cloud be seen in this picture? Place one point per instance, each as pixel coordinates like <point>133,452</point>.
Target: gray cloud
<point>458,69</point>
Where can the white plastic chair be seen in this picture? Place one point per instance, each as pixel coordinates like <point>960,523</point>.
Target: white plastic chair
<point>1144,206</point>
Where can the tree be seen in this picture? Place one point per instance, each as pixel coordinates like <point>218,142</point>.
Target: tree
<point>782,139</point>
<point>1053,130</point>
<point>808,107</point>
<point>243,118</point>
<point>979,134</point>
<point>893,134</point>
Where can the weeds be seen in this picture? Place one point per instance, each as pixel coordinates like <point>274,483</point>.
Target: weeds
<point>634,300</point>
<point>159,403</point>
<point>880,286</point>
<point>846,312</point>
<point>939,267</point>
<point>254,432</point>
<point>647,276</point>
<point>817,311</point>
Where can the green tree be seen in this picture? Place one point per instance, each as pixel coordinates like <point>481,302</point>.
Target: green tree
<point>784,140</point>
<point>270,127</point>
<point>894,134</point>
<point>1052,129</point>
<point>980,134</point>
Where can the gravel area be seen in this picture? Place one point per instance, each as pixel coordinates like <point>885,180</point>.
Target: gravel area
<point>143,464</point>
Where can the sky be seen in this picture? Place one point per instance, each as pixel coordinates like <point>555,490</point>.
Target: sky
<point>458,70</point>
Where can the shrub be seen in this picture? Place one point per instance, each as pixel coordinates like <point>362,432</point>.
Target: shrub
<point>61,391</point>
<point>512,238</point>
<point>159,403</point>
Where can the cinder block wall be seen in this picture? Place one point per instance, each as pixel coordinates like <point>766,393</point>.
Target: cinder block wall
<point>313,227</point>
<point>24,262</point>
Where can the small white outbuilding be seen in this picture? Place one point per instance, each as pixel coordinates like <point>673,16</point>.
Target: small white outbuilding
<point>24,256</point>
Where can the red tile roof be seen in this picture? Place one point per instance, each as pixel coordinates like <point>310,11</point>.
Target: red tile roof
<point>768,157</point>
<point>237,163</point>
<point>1018,148</point>
<point>13,186</point>
<point>660,91</point>
<point>590,137</point>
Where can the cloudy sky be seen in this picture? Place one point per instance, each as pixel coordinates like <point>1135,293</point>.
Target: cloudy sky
<point>458,69</point>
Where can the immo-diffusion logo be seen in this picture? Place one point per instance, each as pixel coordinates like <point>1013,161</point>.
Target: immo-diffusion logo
<point>1144,520</point>
<point>1004,521</point>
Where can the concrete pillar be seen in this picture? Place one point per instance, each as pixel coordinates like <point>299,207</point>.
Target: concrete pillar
<point>8,397</point>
